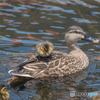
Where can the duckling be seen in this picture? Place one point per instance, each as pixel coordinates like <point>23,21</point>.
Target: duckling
<point>60,64</point>
<point>44,48</point>
<point>4,95</point>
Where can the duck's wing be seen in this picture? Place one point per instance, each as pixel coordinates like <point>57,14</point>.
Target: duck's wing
<point>21,65</point>
<point>30,70</point>
<point>58,66</point>
<point>31,67</point>
<point>27,61</point>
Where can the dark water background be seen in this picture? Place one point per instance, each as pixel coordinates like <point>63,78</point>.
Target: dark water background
<point>24,19</point>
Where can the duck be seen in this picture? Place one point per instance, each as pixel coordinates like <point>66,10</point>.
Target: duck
<point>59,64</point>
<point>4,95</point>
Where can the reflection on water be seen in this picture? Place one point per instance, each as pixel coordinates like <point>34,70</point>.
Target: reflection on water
<point>24,23</point>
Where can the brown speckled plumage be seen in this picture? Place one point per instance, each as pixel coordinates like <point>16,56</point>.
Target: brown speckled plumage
<point>57,63</point>
<point>60,65</point>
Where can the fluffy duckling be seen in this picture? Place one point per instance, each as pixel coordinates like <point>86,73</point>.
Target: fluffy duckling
<point>4,95</point>
<point>44,48</point>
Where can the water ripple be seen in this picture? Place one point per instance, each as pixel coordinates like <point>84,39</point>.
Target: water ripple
<point>11,29</point>
<point>84,4</point>
<point>80,20</point>
<point>7,14</point>
<point>11,10</point>
<point>2,25</point>
<point>25,15</point>
<point>57,27</point>
<point>95,13</point>
<point>9,20</point>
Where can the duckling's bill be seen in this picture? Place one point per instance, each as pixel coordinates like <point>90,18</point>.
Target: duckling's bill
<point>90,39</point>
<point>44,48</point>
<point>47,53</point>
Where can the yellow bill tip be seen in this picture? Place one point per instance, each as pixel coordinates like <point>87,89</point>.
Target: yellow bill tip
<point>96,41</point>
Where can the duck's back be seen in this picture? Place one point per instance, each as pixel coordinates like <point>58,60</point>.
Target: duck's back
<point>59,64</point>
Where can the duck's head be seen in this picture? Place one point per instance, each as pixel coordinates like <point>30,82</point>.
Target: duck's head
<point>75,33</point>
<point>3,92</point>
<point>2,89</point>
<point>44,48</point>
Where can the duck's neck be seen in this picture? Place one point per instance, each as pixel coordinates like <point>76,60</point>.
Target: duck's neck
<point>73,47</point>
<point>75,51</point>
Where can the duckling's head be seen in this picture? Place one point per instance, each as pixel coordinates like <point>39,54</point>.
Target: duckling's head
<point>76,33</point>
<point>3,93</point>
<point>44,48</point>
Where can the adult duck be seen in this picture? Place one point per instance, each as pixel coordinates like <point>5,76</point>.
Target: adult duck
<point>59,64</point>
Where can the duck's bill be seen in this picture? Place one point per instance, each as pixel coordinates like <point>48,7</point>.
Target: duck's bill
<point>90,39</point>
<point>47,53</point>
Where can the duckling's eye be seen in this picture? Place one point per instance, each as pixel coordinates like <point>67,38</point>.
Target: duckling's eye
<point>45,48</point>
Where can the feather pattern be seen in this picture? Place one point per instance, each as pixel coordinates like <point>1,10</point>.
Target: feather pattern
<point>61,64</point>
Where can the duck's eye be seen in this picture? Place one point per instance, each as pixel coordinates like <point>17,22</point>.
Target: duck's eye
<point>77,32</point>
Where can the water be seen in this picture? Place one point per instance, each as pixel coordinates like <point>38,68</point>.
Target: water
<point>21,18</point>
